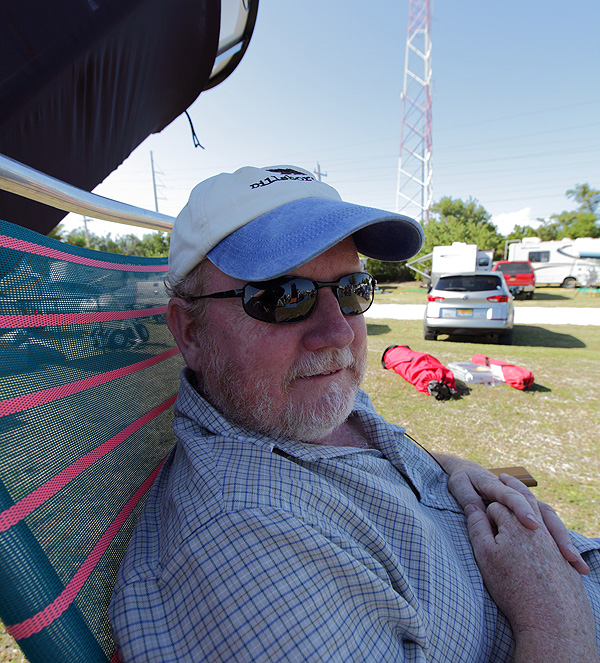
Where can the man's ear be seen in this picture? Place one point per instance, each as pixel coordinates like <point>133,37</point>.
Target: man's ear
<point>184,330</point>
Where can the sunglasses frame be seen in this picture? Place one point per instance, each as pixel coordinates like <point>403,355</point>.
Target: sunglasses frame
<point>283,280</point>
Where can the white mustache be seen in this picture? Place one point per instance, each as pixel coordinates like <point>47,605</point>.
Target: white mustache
<point>327,361</point>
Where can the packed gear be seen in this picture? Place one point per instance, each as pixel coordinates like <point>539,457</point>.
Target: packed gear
<point>515,376</point>
<point>425,372</point>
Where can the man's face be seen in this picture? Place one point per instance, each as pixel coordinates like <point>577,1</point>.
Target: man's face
<point>297,380</point>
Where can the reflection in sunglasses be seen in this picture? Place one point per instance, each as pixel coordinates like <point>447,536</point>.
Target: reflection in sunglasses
<point>291,299</point>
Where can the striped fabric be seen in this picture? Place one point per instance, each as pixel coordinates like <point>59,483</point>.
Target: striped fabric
<point>251,549</point>
<point>89,375</point>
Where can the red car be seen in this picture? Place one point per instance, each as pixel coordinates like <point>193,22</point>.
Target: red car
<point>519,276</point>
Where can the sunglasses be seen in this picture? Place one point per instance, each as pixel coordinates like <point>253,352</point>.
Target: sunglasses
<point>293,298</point>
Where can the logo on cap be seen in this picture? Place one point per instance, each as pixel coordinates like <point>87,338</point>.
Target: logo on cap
<point>285,174</point>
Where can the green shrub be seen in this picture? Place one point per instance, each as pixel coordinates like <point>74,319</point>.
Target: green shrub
<point>386,272</point>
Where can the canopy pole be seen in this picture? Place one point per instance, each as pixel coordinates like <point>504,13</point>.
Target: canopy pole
<point>28,182</point>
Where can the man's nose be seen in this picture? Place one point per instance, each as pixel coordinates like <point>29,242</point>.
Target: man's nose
<point>328,327</point>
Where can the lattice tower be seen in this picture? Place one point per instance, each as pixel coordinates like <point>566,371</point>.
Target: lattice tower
<point>414,194</point>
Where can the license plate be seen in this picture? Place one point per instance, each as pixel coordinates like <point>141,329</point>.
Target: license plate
<point>464,312</point>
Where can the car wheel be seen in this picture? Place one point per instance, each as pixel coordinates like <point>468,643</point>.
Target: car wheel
<point>429,335</point>
<point>118,340</point>
<point>506,338</point>
<point>569,282</point>
<point>529,295</point>
<point>142,332</point>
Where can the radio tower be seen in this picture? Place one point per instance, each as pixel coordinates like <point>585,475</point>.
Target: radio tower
<point>414,194</point>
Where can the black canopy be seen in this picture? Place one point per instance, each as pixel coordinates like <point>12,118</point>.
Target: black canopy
<point>84,82</point>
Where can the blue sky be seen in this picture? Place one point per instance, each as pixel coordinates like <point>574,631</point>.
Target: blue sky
<point>516,106</point>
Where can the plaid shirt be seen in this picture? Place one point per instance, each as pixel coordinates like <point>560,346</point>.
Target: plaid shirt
<point>255,549</point>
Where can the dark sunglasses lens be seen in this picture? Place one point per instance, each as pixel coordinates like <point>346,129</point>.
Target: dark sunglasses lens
<point>281,302</point>
<point>355,293</point>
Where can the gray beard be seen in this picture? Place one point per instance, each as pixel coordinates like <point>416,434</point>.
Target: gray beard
<point>248,405</point>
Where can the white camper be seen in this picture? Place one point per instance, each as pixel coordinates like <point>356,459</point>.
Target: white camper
<point>458,257</point>
<point>565,262</point>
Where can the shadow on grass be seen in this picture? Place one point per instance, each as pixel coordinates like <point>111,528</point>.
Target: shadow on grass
<point>550,297</point>
<point>538,387</point>
<point>532,336</point>
<point>525,336</point>
<point>377,330</point>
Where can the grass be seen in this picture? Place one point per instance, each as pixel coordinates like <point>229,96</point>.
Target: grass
<point>411,293</point>
<point>552,429</point>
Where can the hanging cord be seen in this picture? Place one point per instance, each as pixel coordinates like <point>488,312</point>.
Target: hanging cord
<point>426,451</point>
<point>194,137</point>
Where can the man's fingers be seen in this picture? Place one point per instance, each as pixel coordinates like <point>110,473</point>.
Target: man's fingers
<point>552,522</point>
<point>479,527</point>
<point>464,492</point>
<point>561,535</point>
<point>478,489</point>
<point>520,500</point>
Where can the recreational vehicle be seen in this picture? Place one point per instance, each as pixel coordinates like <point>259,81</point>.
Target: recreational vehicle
<point>565,262</point>
<point>458,257</point>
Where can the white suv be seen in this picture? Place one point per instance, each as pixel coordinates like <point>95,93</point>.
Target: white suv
<point>470,303</point>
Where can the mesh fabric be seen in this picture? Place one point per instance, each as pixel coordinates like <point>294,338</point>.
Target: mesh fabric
<point>88,374</point>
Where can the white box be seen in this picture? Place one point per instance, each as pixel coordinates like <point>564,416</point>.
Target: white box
<point>471,373</point>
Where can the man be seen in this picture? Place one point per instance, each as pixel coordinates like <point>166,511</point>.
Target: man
<point>291,522</point>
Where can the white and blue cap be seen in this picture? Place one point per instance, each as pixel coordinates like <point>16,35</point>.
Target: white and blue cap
<point>260,223</point>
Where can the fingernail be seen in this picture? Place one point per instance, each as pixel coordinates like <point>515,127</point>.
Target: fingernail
<point>571,548</point>
<point>531,517</point>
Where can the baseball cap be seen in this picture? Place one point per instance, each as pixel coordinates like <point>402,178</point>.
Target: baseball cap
<point>260,223</point>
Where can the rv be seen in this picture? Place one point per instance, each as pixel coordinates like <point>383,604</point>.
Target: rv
<point>565,262</point>
<point>458,257</point>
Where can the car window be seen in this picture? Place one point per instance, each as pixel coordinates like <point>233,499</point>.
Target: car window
<point>514,268</point>
<point>476,283</point>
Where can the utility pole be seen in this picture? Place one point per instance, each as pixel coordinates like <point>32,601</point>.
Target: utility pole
<point>153,181</point>
<point>318,172</point>
<point>414,194</point>
<point>86,232</point>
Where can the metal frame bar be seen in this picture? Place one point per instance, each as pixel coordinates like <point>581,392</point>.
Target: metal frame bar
<point>28,182</point>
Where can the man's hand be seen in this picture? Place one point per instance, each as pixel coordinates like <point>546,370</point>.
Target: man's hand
<point>542,597</point>
<point>471,484</point>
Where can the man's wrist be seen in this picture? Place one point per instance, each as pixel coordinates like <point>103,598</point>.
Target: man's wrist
<point>538,646</point>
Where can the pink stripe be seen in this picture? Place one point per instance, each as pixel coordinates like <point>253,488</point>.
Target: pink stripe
<point>21,509</point>
<point>27,401</point>
<point>52,612</point>
<point>52,319</point>
<point>115,658</point>
<point>29,247</point>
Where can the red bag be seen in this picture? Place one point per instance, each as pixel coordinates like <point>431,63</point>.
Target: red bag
<point>424,371</point>
<point>515,376</point>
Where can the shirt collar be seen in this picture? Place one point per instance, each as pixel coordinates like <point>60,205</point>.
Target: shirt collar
<point>191,404</point>
<point>387,440</point>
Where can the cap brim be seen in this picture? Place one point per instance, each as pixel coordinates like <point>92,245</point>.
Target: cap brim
<point>291,235</point>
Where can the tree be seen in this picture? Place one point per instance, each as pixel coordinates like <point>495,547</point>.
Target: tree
<point>575,224</point>
<point>57,232</point>
<point>460,221</point>
<point>152,245</point>
<point>386,272</point>
<point>155,245</point>
<point>582,222</point>
<point>588,198</point>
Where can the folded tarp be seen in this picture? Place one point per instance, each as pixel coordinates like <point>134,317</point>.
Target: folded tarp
<point>422,370</point>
